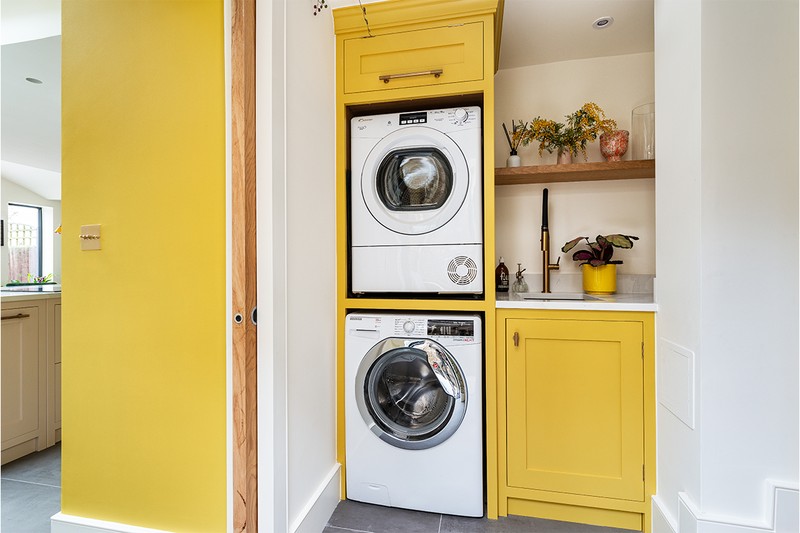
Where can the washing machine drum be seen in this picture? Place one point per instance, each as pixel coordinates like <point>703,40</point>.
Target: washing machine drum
<point>411,392</point>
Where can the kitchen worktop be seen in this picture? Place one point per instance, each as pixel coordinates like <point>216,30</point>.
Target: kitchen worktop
<point>29,292</point>
<point>611,302</point>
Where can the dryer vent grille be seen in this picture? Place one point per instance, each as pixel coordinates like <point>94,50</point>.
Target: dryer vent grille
<point>462,270</point>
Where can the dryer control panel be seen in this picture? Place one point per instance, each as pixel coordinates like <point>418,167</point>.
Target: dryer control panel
<point>420,117</point>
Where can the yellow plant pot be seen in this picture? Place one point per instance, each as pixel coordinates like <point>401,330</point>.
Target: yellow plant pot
<point>600,280</point>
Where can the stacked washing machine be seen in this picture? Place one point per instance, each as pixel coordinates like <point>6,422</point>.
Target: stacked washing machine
<point>414,382</point>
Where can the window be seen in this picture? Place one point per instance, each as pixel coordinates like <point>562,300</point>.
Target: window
<point>24,242</point>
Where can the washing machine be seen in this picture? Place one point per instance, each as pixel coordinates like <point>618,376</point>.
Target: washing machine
<point>416,202</point>
<point>414,411</point>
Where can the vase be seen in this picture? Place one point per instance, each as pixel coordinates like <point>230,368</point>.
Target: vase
<point>600,279</point>
<point>513,159</point>
<point>614,145</point>
<point>564,157</point>
<point>643,132</point>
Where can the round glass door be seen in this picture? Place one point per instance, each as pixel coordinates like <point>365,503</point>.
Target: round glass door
<point>414,180</point>
<point>411,392</point>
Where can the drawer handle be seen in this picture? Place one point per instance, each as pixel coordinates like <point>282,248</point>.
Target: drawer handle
<point>20,315</point>
<point>516,338</point>
<point>435,73</point>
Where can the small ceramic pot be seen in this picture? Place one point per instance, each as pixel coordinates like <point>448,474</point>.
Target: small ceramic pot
<point>600,279</point>
<point>513,160</point>
<point>614,145</point>
<point>564,157</point>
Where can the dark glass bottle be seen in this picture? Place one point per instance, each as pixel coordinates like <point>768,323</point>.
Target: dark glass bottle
<point>501,277</point>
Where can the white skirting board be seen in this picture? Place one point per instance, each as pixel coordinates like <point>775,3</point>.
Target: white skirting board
<point>320,507</point>
<point>64,523</point>
<point>312,518</point>
<point>783,501</point>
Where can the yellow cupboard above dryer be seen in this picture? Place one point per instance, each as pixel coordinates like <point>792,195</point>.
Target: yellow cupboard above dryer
<point>411,44</point>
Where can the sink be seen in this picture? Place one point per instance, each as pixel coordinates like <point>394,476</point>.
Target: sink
<point>555,296</point>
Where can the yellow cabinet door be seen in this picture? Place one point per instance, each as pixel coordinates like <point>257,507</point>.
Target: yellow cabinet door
<point>575,407</point>
<point>417,58</point>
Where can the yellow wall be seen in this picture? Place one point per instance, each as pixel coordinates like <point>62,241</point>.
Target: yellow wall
<point>144,318</point>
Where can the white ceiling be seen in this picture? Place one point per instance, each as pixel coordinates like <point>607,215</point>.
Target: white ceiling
<point>548,31</point>
<point>534,32</point>
<point>30,114</point>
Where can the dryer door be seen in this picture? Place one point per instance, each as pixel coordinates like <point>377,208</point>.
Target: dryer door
<point>411,392</point>
<point>415,180</point>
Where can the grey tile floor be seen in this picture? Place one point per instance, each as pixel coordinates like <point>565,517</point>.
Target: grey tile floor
<point>31,492</point>
<point>356,517</point>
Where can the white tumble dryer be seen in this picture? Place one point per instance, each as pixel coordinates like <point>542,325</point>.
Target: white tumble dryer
<point>414,411</point>
<point>416,202</point>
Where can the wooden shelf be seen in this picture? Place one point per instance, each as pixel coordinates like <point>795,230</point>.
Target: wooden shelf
<point>611,170</point>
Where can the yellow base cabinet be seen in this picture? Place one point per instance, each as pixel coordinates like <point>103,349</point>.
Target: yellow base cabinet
<point>578,415</point>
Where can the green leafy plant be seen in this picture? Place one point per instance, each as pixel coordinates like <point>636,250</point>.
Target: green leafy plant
<point>601,250</point>
<point>33,280</point>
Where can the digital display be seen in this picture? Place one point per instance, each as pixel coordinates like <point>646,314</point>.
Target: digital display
<point>414,118</point>
<point>451,328</point>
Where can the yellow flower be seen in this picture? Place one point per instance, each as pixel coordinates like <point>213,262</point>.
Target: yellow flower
<point>582,126</point>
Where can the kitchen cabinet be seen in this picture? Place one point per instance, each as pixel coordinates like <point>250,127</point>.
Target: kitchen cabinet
<point>23,380</point>
<point>30,374</point>
<point>416,39</point>
<point>579,415</point>
<point>53,371</point>
<point>432,56</point>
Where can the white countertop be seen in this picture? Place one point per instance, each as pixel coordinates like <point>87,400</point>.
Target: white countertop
<point>612,302</point>
<point>28,292</point>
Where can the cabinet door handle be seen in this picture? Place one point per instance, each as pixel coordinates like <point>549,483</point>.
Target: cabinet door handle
<point>12,317</point>
<point>516,338</point>
<point>434,72</point>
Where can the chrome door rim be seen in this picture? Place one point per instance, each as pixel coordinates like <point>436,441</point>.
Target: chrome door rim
<point>394,434</point>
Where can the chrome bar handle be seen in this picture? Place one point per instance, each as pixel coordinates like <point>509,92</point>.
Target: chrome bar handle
<point>435,73</point>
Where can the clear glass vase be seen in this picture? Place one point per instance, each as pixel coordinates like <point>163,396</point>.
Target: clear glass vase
<point>643,132</point>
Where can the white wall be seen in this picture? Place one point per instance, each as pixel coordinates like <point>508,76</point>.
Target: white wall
<point>311,257</point>
<point>299,483</point>
<point>617,84</point>
<point>13,193</point>
<point>723,68</point>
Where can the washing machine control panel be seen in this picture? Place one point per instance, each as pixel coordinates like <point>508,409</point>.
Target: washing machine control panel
<point>451,328</point>
<point>421,327</point>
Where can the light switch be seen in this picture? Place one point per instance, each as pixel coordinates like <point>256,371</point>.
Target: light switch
<point>90,237</point>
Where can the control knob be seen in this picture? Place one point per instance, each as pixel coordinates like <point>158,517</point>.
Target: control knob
<point>460,115</point>
<point>408,326</point>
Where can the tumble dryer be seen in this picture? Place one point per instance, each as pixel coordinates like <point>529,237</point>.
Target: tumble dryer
<point>416,202</point>
<point>413,411</point>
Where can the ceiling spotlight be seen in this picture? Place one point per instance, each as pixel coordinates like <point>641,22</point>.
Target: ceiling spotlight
<point>602,22</point>
<point>34,80</point>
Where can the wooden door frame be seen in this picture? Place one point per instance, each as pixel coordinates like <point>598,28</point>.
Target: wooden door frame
<point>243,266</point>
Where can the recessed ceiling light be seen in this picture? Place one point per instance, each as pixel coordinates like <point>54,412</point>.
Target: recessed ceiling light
<point>602,22</point>
<point>34,80</point>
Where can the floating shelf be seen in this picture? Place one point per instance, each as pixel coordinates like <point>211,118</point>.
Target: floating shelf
<point>606,170</point>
